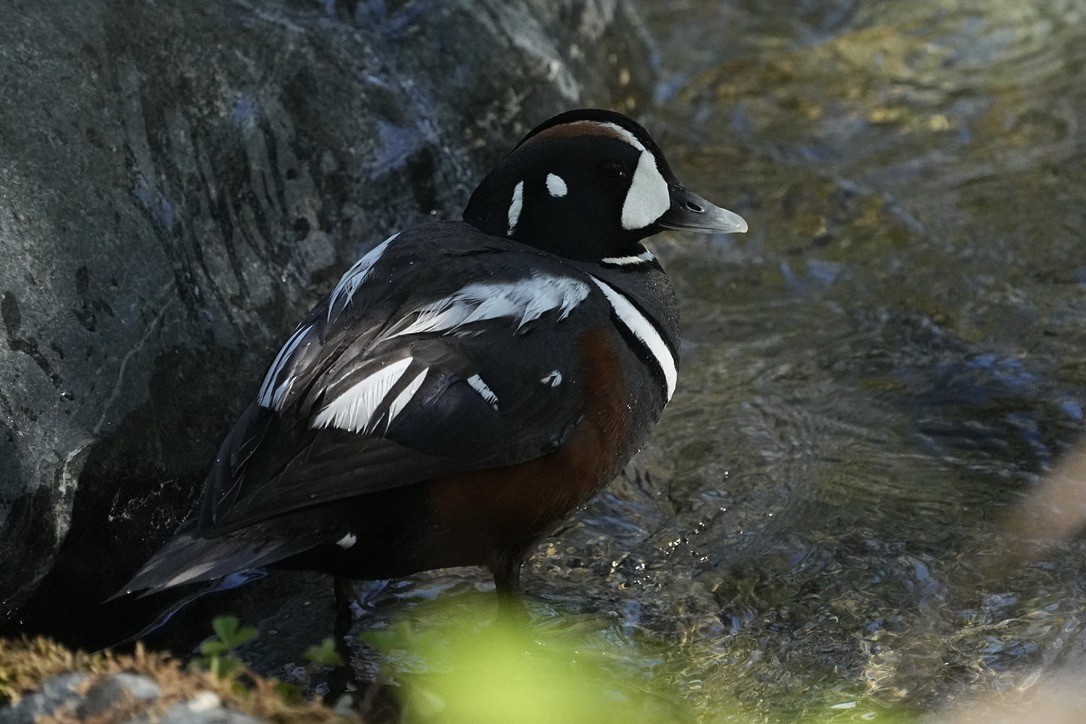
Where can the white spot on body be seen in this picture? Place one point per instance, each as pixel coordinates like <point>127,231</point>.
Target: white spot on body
<point>485,392</point>
<point>270,396</point>
<point>642,258</point>
<point>642,328</point>
<point>347,541</point>
<point>523,301</point>
<point>554,378</point>
<point>556,186</point>
<point>354,409</point>
<point>515,206</point>
<point>353,277</point>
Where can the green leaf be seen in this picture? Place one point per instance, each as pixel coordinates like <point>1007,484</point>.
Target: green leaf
<point>213,647</point>
<point>324,654</point>
<point>231,632</point>
<point>225,626</point>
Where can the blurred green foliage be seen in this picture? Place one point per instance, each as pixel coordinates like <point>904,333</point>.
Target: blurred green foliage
<point>455,661</point>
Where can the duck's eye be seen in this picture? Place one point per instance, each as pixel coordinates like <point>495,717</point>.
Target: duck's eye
<point>612,169</point>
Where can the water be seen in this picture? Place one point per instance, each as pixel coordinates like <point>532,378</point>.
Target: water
<point>892,357</point>
<point>872,377</point>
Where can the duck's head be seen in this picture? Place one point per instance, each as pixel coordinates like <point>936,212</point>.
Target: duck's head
<point>590,184</point>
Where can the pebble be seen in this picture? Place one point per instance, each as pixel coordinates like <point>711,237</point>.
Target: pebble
<point>114,690</point>
<point>60,697</point>
<point>205,708</point>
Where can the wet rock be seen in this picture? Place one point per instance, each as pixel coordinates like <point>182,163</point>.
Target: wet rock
<point>114,690</point>
<point>181,182</point>
<point>58,696</point>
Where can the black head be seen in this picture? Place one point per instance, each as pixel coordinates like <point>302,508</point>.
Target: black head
<point>589,184</point>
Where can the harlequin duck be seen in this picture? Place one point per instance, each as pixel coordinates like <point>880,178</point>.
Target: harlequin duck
<point>467,384</point>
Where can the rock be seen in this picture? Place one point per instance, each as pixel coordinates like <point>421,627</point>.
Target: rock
<point>58,696</point>
<point>181,183</point>
<point>204,708</point>
<point>117,689</point>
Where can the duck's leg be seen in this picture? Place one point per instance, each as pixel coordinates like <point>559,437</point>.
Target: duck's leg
<point>506,569</point>
<point>344,591</point>
<point>342,679</point>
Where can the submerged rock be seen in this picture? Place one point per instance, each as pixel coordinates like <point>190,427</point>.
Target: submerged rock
<point>181,181</point>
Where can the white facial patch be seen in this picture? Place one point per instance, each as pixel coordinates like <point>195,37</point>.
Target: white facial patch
<point>485,392</point>
<point>523,301</point>
<point>354,276</point>
<point>271,396</point>
<point>515,206</point>
<point>642,328</point>
<point>354,409</point>
<point>556,186</point>
<point>648,197</point>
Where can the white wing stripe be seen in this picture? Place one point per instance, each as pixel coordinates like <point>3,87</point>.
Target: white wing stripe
<point>353,410</point>
<point>353,277</point>
<point>484,391</point>
<point>267,394</point>
<point>524,301</point>
<point>642,328</point>
<point>405,396</point>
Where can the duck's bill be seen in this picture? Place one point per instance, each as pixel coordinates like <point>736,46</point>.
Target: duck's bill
<point>690,212</point>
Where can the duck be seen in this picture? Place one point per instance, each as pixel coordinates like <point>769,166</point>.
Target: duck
<point>467,384</point>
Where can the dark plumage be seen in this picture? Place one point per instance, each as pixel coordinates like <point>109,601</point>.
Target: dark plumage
<point>467,384</point>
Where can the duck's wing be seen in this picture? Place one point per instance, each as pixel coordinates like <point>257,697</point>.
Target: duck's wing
<point>409,371</point>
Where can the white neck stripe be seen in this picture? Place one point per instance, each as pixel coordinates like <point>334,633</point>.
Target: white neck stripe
<point>643,258</point>
<point>642,328</point>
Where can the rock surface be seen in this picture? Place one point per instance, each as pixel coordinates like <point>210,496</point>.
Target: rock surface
<point>180,183</point>
<point>204,708</point>
<point>59,696</point>
<point>117,697</point>
<point>115,689</point>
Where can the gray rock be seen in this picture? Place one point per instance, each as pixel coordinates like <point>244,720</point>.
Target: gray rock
<point>58,695</point>
<point>117,689</point>
<point>180,182</point>
<point>205,708</point>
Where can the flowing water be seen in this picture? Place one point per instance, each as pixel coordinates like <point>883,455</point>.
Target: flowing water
<point>894,354</point>
<point>892,357</point>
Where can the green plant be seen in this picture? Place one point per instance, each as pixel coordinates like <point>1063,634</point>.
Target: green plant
<point>219,653</point>
<point>324,654</point>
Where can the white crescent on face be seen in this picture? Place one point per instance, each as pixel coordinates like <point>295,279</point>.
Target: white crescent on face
<point>649,196</point>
